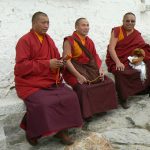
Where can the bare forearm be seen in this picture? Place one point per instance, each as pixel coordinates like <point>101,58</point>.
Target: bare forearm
<point>114,55</point>
<point>71,68</point>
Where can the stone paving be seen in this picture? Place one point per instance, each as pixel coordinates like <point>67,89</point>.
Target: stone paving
<point>124,130</point>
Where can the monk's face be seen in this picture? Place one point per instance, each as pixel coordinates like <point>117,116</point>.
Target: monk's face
<point>41,24</point>
<point>82,27</point>
<point>129,22</point>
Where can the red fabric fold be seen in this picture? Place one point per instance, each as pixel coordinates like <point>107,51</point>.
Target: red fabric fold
<point>32,69</point>
<point>125,47</point>
<point>83,59</point>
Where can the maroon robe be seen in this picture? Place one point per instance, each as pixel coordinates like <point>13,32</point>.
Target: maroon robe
<point>69,78</point>
<point>49,108</point>
<point>93,98</point>
<point>128,81</point>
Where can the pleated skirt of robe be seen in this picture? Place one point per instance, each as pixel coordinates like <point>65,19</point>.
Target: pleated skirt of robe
<point>51,110</point>
<point>96,98</point>
<point>128,82</point>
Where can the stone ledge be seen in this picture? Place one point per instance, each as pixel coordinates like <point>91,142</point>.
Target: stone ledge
<point>11,105</point>
<point>8,107</point>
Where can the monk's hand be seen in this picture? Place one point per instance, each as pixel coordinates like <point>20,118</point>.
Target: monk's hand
<point>120,66</point>
<point>81,79</point>
<point>55,63</point>
<point>101,73</point>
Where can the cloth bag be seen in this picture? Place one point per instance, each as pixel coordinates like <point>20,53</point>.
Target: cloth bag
<point>89,70</point>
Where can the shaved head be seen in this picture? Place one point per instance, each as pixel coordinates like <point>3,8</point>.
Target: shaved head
<point>37,14</point>
<point>78,21</point>
<point>129,13</point>
<point>40,22</point>
<point>82,26</point>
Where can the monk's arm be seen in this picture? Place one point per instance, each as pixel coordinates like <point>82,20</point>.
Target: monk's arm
<point>25,65</point>
<point>112,44</point>
<point>69,65</point>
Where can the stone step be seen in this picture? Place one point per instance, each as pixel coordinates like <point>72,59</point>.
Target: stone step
<point>11,105</point>
<point>126,129</point>
<point>2,135</point>
<point>9,109</point>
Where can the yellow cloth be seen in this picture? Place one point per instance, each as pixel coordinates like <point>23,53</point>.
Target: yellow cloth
<point>40,37</point>
<point>77,50</point>
<point>121,36</point>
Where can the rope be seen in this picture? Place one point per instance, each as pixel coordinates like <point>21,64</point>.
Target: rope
<point>90,81</point>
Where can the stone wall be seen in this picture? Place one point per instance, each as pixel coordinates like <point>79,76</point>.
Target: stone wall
<point>15,20</point>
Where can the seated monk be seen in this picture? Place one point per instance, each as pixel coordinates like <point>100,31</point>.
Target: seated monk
<point>93,98</point>
<point>124,40</point>
<point>51,107</point>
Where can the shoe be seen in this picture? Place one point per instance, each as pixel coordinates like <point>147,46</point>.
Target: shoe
<point>89,119</point>
<point>32,141</point>
<point>144,92</point>
<point>64,138</point>
<point>100,114</point>
<point>67,141</point>
<point>125,105</point>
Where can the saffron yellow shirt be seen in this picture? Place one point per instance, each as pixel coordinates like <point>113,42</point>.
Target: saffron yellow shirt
<point>121,36</point>
<point>77,50</point>
<point>40,37</point>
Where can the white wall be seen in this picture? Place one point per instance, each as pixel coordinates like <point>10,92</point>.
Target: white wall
<point>15,20</point>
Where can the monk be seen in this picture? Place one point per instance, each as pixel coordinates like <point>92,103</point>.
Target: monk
<point>94,98</point>
<point>51,107</point>
<point>124,40</point>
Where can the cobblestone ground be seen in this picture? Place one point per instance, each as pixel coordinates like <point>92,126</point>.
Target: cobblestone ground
<point>17,141</point>
<point>125,129</point>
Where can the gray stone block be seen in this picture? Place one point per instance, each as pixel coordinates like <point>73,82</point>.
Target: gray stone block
<point>2,137</point>
<point>11,106</point>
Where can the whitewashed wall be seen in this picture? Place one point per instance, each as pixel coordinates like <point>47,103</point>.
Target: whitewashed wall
<point>15,20</point>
